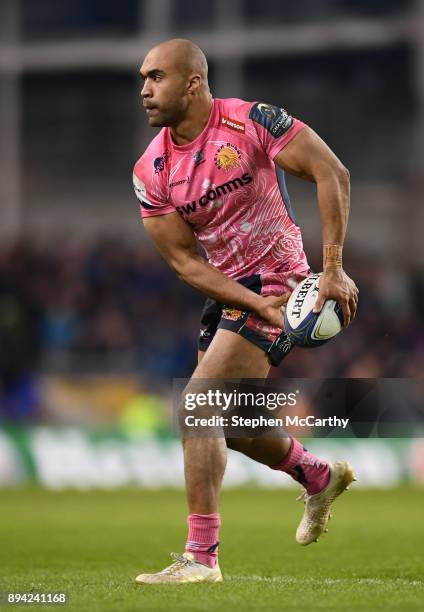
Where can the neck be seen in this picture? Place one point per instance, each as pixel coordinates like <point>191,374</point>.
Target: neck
<point>194,121</point>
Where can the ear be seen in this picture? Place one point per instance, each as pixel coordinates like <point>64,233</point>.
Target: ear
<point>194,83</point>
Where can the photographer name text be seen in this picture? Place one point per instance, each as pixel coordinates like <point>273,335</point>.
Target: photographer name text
<point>261,421</point>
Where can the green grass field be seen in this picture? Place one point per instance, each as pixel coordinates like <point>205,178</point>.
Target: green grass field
<point>93,544</point>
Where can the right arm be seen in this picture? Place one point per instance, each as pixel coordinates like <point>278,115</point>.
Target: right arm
<point>176,242</point>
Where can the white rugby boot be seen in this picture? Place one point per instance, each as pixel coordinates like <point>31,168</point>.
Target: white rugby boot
<point>317,507</point>
<point>184,569</point>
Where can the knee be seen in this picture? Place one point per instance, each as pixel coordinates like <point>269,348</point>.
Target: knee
<point>239,444</point>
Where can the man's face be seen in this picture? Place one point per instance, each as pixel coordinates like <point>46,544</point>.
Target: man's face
<point>165,90</point>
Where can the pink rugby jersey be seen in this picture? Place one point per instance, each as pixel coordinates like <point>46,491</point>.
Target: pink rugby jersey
<point>226,186</point>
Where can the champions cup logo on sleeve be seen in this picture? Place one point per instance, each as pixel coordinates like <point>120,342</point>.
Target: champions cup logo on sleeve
<point>227,157</point>
<point>267,110</point>
<point>274,119</point>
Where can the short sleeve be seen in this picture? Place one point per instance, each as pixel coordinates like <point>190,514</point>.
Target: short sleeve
<point>150,190</point>
<point>274,126</point>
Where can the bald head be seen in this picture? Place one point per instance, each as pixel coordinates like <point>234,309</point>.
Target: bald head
<point>186,56</point>
<point>175,74</point>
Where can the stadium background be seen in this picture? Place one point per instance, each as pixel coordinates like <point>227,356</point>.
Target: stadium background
<point>93,326</point>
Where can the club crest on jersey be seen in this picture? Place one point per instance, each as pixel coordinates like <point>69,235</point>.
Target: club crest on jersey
<point>273,118</point>
<point>232,314</point>
<point>159,162</point>
<point>227,157</point>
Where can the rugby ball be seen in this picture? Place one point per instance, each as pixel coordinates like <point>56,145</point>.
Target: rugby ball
<point>305,327</point>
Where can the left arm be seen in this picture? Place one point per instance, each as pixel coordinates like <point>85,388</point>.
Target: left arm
<point>308,157</point>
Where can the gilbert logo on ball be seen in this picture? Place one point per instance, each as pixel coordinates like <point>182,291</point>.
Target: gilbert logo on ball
<point>305,327</point>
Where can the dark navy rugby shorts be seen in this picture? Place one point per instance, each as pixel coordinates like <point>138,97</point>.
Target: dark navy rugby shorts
<point>272,340</point>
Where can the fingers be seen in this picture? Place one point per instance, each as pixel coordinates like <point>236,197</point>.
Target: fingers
<point>346,313</point>
<point>283,298</point>
<point>319,303</point>
<point>353,304</point>
<point>349,306</point>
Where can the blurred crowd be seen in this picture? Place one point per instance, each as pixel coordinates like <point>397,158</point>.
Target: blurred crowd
<point>73,308</point>
<point>101,299</point>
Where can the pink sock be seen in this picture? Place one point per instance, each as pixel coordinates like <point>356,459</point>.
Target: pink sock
<point>306,468</point>
<point>202,539</point>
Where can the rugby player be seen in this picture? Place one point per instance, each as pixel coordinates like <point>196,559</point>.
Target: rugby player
<point>214,175</point>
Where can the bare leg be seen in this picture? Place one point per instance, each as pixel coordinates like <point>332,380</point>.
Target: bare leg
<point>229,356</point>
<point>268,451</point>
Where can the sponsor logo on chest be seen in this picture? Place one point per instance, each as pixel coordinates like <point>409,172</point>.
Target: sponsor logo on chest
<point>215,192</point>
<point>233,124</point>
<point>182,181</point>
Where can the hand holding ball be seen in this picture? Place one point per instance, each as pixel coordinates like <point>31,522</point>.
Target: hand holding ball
<point>304,326</point>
